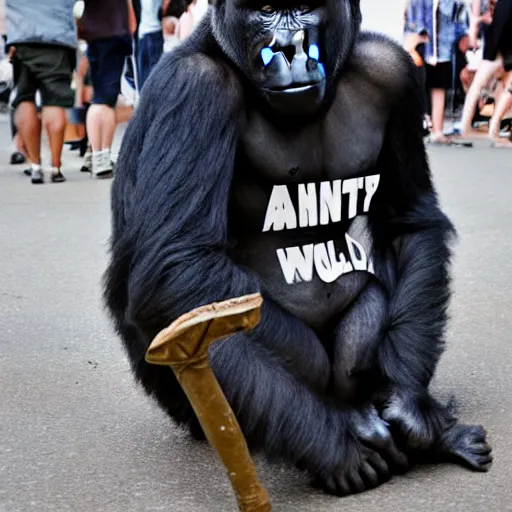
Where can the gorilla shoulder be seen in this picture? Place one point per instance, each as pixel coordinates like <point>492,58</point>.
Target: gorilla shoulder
<point>382,62</point>
<point>188,71</point>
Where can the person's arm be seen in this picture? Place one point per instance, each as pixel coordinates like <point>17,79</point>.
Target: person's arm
<point>165,6</point>
<point>132,19</point>
<point>185,26</point>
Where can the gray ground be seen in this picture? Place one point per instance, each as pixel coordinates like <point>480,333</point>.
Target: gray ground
<point>77,435</point>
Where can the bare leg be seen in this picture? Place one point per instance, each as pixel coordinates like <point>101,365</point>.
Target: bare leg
<point>101,126</point>
<point>485,72</point>
<point>466,78</point>
<point>502,106</point>
<point>18,143</point>
<point>29,128</point>
<point>438,104</point>
<point>54,121</point>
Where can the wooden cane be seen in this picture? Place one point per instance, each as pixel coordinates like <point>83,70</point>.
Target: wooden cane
<point>184,347</point>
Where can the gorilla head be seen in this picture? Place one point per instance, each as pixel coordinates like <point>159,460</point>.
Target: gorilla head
<point>291,51</point>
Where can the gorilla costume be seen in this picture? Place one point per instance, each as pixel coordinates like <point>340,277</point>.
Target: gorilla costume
<point>279,150</point>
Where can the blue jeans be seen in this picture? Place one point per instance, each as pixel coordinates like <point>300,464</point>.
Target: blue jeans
<point>151,47</point>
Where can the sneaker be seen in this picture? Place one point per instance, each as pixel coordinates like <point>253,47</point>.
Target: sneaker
<point>101,165</point>
<point>37,176</point>
<point>57,176</point>
<point>18,158</point>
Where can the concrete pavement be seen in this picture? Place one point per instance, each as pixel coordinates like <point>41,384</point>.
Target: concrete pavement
<point>76,434</point>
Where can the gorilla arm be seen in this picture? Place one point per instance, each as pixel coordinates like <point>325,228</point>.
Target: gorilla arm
<point>418,285</point>
<point>416,276</point>
<point>177,216</point>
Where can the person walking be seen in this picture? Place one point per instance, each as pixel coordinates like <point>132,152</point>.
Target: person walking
<point>41,37</point>
<point>497,57</point>
<point>107,27</point>
<point>434,19</point>
<point>494,18</point>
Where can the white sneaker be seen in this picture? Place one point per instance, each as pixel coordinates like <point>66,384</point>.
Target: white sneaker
<point>101,164</point>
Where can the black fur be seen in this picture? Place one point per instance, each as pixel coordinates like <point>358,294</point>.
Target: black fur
<point>294,391</point>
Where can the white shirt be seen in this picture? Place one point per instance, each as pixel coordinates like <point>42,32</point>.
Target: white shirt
<point>149,21</point>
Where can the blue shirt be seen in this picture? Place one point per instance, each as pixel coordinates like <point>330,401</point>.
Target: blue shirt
<point>420,18</point>
<point>41,21</point>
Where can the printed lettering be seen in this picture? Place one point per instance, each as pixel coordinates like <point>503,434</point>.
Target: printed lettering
<point>280,211</point>
<point>297,263</point>
<point>308,214</point>
<point>330,202</point>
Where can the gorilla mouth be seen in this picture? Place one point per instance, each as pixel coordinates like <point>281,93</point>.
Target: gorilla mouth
<point>296,101</point>
<point>292,87</point>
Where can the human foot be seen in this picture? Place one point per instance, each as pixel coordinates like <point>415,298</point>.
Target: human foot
<point>501,143</point>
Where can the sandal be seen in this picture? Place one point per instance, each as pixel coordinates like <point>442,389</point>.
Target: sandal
<point>440,140</point>
<point>501,144</point>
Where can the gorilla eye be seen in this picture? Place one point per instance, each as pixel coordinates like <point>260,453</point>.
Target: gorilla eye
<point>267,8</point>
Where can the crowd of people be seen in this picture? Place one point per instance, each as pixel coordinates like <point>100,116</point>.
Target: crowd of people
<point>76,63</point>
<point>70,59</point>
<point>465,48</point>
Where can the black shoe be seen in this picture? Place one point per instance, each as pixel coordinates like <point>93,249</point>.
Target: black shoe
<point>58,177</point>
<point>18,158</point>
<point>27,172</point>
<point>37,177</point>
<point>83,146</point>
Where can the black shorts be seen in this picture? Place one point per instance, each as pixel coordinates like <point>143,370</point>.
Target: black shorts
<point>47,68</point>
<point>498,36</point>
<point>106,63</point>
<point>439,76</point>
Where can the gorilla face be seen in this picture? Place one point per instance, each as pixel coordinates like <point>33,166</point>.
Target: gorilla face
<point>291,52</point>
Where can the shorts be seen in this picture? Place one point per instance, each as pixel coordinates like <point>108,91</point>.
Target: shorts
<point>439,76</point>
<point>498,36</point>
<point>47,68</point>
<point>106,64</point>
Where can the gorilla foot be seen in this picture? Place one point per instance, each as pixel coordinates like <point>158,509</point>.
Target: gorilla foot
<point>365,470</point>
<point>371,459</point>
<point>467,445</point>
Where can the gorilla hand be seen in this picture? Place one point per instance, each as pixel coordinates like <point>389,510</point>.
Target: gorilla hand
<point>423,424</point>
<point>371,458</point>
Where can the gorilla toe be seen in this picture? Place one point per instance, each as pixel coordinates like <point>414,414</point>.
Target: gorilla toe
<point>366,471</point>
<point>467,444</point>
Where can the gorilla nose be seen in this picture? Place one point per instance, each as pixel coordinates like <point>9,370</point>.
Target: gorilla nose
<point>288,42</point>
<point>289,60</point>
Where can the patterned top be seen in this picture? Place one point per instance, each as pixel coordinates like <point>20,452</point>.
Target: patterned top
<point>442,28</point>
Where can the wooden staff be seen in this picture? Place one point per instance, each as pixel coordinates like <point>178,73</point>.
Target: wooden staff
<point>184,347</point>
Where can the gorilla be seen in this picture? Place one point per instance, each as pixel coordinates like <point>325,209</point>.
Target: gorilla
<point>279,150</point>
